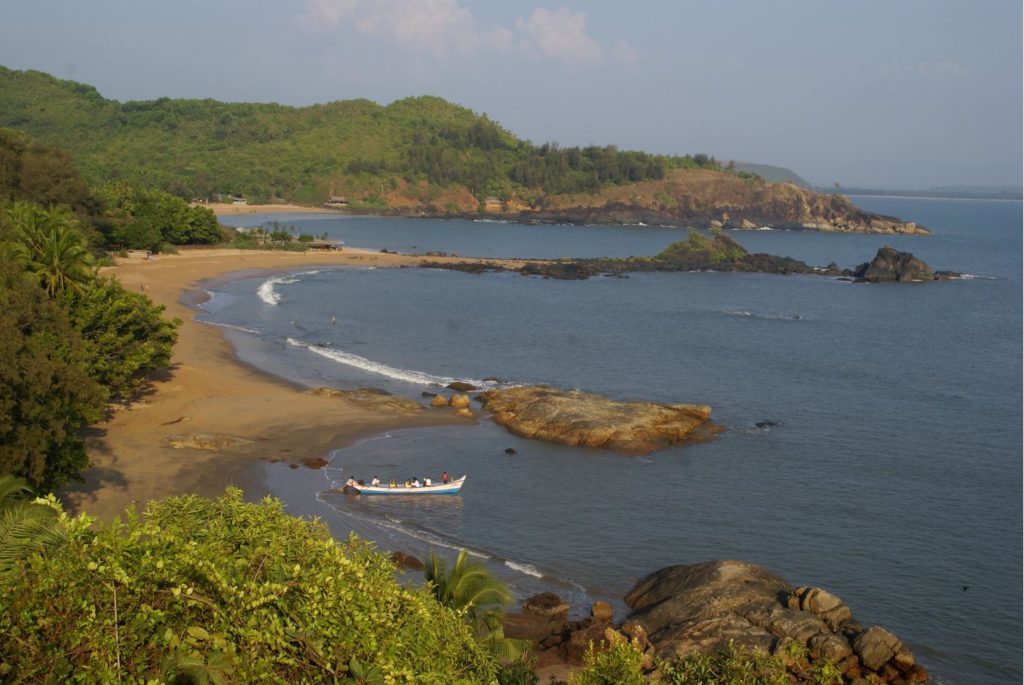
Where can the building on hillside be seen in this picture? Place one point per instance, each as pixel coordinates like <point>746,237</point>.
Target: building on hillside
<point>492,204</point>
<point>336,202</point>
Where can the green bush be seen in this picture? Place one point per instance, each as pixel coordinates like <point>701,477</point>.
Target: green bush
<point>225,591</point>
<point>622,664</point>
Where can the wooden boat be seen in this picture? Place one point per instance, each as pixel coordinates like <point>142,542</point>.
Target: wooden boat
<point>449,488</point>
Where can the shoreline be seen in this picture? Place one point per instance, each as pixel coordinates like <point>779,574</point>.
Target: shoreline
<point>251,415</point>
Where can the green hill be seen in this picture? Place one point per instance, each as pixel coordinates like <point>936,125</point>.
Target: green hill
<point>770,173</point>
<point>410,150</point>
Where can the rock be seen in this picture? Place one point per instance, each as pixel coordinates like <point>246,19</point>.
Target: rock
<point>459,401</point>
<point>491,379</point>
<point>581,640</point>
<point>406,561</point>
<point>461,386</point>
<point>373,399</point>
<point>207,441</point>
<point>574,417</point>
<point>904,659</point>
<point>828,646</point>
<point>824,604</point>
<point>765,424</point>
<point>428,394</point>
<point>546,604</point>
<point>636,633</point>
<point>510,450</point>
<point>315,462</point>
<point>601,612</point>
<point>439,401</point>
<point>890,265</point>
<point>465,412</point>
<point>875,646</point>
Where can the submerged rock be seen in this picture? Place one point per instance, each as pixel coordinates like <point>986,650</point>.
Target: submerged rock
<point>574,417</point>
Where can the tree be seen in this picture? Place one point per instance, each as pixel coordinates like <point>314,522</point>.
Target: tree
<point>46,396</point>
<point>470,588</point>
<point>26,526</point>
<point>49,246</point>
<point>123,333</point>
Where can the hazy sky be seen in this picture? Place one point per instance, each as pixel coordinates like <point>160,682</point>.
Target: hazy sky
<point>907,93</point>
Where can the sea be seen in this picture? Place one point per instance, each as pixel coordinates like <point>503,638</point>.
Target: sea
<point>874,432</point>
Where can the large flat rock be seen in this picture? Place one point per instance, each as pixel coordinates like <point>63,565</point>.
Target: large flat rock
<point>574,417</point>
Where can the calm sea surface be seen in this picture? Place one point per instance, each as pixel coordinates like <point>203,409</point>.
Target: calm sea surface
<point>892,477</point>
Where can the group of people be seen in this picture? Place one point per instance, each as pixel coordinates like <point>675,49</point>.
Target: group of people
<point>410,483</point>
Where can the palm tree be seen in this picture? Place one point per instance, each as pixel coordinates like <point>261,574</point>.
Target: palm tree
<point>470,588</point>
<point>25,527</point>
<point>50,246</point>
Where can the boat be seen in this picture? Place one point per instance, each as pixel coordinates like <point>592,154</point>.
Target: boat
<point>449,488</point>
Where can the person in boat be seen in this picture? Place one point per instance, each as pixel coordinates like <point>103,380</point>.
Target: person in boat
<point>415,482</point>
<point>375,482</point>
<point>392,483</point>
<point>427,482</point>
<point>444,477</point>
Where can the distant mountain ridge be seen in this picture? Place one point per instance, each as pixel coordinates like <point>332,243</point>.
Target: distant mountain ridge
<point>771,173</point>
<point>417,156</point>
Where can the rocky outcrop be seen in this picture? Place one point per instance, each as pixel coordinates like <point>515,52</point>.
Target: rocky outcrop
<point>704,607</point>
<point>207,442</point>
<point>372,399</point>
<point>893,266</point>
<point>704,198</point>
<point>574,417</point>
<point>720,253</point>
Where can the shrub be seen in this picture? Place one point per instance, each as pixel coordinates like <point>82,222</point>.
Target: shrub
<point>225,591</point>
<point>622,664</point>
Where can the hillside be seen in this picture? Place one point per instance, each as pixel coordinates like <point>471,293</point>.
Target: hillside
<point>415,156</point>
<point>771,173</point>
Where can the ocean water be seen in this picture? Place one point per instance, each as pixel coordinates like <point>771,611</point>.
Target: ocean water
<point>892,475</point>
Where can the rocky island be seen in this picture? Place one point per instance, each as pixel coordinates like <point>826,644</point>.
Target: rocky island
<point>719,252</point>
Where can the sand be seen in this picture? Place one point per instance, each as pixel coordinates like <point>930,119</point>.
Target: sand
<point>229,209</point>
<point>209,392</point>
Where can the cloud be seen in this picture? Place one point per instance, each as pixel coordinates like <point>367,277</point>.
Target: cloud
<point>561,34</point>
<point>443,27</point>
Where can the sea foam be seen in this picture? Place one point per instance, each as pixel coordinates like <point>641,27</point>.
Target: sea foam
<point>266,290</point>
<point>364,364</point>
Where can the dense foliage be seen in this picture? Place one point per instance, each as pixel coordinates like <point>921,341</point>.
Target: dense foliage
<point>69,341</point>
<point>46,394</point>
<point>700,249</point>
<point>27,527</point>
<point>205,148</point>
<point>147,219</point>
<point>124,334</point>
<point>225,591</point>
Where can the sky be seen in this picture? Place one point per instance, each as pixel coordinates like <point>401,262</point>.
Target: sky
<point>876,93</point>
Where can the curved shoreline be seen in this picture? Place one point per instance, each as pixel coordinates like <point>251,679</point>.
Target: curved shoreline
<point>209,391</point>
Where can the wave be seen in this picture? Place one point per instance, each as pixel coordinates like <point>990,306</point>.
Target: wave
<point>769,316</point>
<point>975,277</point>
<point>364,364</point>
<point>525,569</point>
<point>266,290</point>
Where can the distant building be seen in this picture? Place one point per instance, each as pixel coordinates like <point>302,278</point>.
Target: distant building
<point>336,202</point>
<point>492,204</point>
<point>324,245</point>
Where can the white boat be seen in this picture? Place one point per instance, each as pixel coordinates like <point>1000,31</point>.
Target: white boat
<point>449,488</point>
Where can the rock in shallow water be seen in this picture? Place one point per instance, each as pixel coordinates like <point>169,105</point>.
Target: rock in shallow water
<point>574,417</point>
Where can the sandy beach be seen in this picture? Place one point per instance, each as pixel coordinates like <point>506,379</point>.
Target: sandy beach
<point>208,392</point>
<point>230,209</point>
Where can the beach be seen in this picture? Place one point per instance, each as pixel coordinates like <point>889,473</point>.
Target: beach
<point>210,398</point>
<point>231,209</point>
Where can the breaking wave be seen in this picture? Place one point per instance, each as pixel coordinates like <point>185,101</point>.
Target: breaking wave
<point>266,290</point>
<point>769,316</point>
<point>364,364</point>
